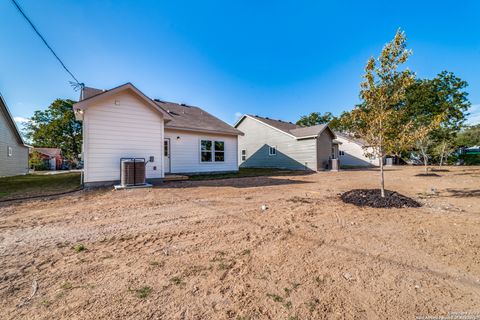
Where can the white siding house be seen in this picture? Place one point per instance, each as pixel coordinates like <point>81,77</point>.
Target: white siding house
<point>186,152</point>
<point>279,144</point>
<point>352,152</point>
<point>124,123</point>
<point>13,151</point>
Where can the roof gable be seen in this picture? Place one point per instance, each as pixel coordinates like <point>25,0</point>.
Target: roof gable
<point>8,116</point>
<point>91,95</point>
<point>289,128</point>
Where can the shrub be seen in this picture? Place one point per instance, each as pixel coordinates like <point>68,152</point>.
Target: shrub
<point>470,159</point>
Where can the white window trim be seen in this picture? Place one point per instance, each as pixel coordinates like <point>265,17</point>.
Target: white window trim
<point>244,154</point>
<point>10,151</point>
<point>270,148</point>
<point>212,151</point>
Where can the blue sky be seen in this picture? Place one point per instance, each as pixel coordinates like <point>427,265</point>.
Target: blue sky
<point>280,59</point>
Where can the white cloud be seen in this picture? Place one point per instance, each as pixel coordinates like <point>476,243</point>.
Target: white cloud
<point>474,117</point>
<point>20,120</point>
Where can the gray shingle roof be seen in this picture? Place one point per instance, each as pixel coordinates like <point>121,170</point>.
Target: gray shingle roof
<point>195,119</point>
<point>291,128</point>
<point>184,117</point>
<point>279,124</point>
<point>308,131</point>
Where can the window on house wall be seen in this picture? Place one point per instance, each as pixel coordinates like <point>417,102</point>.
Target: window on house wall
<point>219,151</point>
<point>10,151</point>
<point>244,155</point>
<point>212,151</point>
<point>272,151</point>
<point>166,152</point>
<point>342,153</point>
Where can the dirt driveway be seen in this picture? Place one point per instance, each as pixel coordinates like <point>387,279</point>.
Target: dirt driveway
<point>206,250</point>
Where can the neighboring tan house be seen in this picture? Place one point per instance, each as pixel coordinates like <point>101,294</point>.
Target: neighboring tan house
<point>352,152</point>
<point>52,157</point>
<point>177,138</point>
<point>13,151</point>
<point>272,143</point>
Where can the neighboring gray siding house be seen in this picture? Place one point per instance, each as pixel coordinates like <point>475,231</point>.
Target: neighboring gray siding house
<point>278,144</point>
<point>352,152</point>
<point>124,123</point>
<point>13,151</point>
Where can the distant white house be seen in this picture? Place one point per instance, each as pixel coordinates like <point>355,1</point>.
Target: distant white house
<point>174,138</point>
<point>13,151</point>
<point>352,152</point>
<point>279,144</point>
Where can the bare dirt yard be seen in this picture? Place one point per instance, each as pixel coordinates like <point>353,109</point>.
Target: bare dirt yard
<point>207,250</point>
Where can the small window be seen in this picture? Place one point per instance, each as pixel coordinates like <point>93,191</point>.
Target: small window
<point>10,151</point>
<point>211,151</point>
<point>342,153</point>
<point>206,151</point>
<point>272,151</point>
<point>166,152</point>
<point>244,155</point>
<point>219,151</point>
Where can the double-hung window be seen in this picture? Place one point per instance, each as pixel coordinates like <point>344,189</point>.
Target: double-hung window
<point>244,155</point>
<point>212,151</point>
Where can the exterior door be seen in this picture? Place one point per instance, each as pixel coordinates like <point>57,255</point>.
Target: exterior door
<point>166,155</point>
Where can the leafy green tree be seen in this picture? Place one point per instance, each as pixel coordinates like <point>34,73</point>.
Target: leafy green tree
<point>36,162</point>
<point>314,118</point>
<point>383,92</point>
<point>468,136</point>
<point>56,127</point>
<point>342,123</point>
<point>440,104</point>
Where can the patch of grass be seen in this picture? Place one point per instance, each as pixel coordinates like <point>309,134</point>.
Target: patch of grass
<point>144,292</point>
<point>275,297</point>
<point>178,281</point>
<point>312,304</point>
<point>141,293</point>
<point>66,286</point>
<point>37,185</point>
<point>287,291</point>
<point>245,172</point>
<point>46,302</point>
<point>79,247</point>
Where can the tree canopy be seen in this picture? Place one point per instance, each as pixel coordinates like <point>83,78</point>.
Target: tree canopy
<point>383,92</point>
<point>56,127</point>
<point>314,118</point>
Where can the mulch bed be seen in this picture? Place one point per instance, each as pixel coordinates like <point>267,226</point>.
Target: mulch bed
<point>427,175</point>
<point>373,198</point>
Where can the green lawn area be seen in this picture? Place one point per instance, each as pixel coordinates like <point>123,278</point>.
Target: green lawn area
<point>37,185</point>
<point>245,172</point>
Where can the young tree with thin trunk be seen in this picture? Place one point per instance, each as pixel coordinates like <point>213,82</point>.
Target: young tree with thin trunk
<point>376,119</point>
